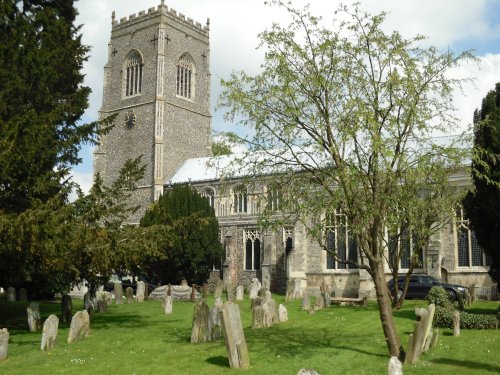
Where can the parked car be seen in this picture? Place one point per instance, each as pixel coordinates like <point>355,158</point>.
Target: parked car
<point>128,281</point>
<point>419,286</point>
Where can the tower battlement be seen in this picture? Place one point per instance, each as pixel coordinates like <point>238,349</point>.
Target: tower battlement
<point>153,12</point>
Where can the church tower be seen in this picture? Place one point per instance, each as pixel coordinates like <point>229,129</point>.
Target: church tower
<point>157,81</point>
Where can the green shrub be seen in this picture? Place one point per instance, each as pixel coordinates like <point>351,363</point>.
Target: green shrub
<point>439,297</point>
<point>443,317</point>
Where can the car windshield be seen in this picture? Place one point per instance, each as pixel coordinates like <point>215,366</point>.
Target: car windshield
<point>427,280</point>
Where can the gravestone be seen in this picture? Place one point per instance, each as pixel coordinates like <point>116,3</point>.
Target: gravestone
<point>11,294</point>
<point>236,345</point>
<point>200,331</point>
<point>167,304</point>
<point>219,288</point>
<point>129,294</point>
<point>239,293</point>
<point>293,290</point>
<point>262,293</point>
<point>435,337</point>
<point>327,298</point>
<point>80,326</point>
<point>306,305</point>
<point>395,367</point>
<point>34,320</point>
<point>103,295</point>
<point>257,313</point>
<point>422,336</point>
<point>320,302</point>
<point>66,306</point>
<point>229,292</point>
<point>87,303</point>
<point>267,296</point>
<point>102,306</point>
<point>4,343</point>
<point>270,315</point>
<point>117,289</point>
<point>456,323</point>
<point>214,322</point>
<point>23,294</point>
<point>282,313</point>
<point>254,288</point>
<point>141,291</point>
<point>49,333</point>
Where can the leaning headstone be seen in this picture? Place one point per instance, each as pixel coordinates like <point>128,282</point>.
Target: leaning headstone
<point>307,371</point>
<point>239,293</point>
<point>129,294</point>
<point>49,333</point>
<point>395,367</point>
<point>34,320</point>
<point>23,294</point>
<point>236,345</point>
<point>141,291</point>
<point>167,305</point>
<point>282,313</point>
<point>214,322</point>
<point>118,290</point>
<point>4,343</point>
<point>80,326</point>
<point>419,339</point>
<point>11,294</point>
<point>456,323</point>
<point>200,331</point>
<point>219,288</point>
<point>102,306</point>
<point>254,288</point>
<point>66,306</point>
<point>87,303</point>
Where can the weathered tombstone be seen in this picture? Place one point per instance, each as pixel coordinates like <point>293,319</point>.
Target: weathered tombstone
<point>87,303</point>
<point>214,322</point>
<point>239,293</point>
<point>267,296</point>
<point>103,295</point>
<point>141,291</point>
<point>262,293</point>
<point>167,305</point>
<point>456,323</point>
<point>289,290</point>
<point>307,371</point>
<point>327,298</point>
<point>306,305</point>
<point>219,288</point>
<point>320,302</point>
<point>80,326</point>
<point>23,294</point>
<point>229,292</point>
<point>129,294</point>
<point>102,306</point>
<point>254,288</point>
<point>270,315</point>
<point>258,313</point>
<point>11,294</point>
<point>66,306</point>
<point>236,345</point>
<point>435,337</point>
<point>282,313</point>
<point>118,290</point>
<point>4,343</point>
<point>395,367</point>
<point>49,333</point>
<point>200,331</point>
<point>421,333</point>
<point>428,327</point>
<point>34,320</point>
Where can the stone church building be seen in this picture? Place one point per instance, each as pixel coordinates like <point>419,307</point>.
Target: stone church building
<point>157,81</point>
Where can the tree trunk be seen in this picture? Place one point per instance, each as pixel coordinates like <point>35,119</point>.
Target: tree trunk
<point>385,309</point>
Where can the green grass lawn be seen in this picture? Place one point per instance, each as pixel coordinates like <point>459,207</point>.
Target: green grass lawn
<point>139,339</point>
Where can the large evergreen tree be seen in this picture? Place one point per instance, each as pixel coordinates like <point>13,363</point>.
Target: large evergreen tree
<point>190,240</point>
<point>483,203</point>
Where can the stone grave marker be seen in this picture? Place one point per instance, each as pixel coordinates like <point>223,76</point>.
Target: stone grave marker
<point>141,291</point>
<point>257,313</point>
<point>306,305</point>
<point>4,343</point>
<point>239,293</point>
<point>11,294</point>
<point>118,290</point>
<point>282,313</point>
<point>219,288</point>
<point>23,294</point>
<point>421,333</point>
<point>49,333</point>
<point>270,315</point>
<point>167,304</point>
<point>80,326</point>
<point>456,323</point>
<point>200,331</point>
<point>102,306</point>
<point>129,294</point>
<point>229,292</point>
<point>66,306</point>
<point>254,288</point>
<point>320,302</point>
<point>395,367</point>
<point>236,345</point>
<point>34,320</point>
<point>87,303</point>
<point>214,322</point>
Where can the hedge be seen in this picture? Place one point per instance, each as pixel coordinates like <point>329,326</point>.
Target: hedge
<point>443,317</point>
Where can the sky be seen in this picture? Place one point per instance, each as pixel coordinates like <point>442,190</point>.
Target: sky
<point>455,25</point>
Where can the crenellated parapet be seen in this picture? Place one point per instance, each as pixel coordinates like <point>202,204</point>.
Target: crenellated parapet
<point>153,12</point>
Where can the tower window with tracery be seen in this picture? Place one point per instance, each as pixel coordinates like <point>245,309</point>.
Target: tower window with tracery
<point>185,77</point>
<point>133,76</point>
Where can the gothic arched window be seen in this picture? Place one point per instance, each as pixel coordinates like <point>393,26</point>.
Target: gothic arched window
<point>210,195</point>
<point>133,73</point>
<point>185,77</point>
<point>240,199</point>
<point>252,249</point>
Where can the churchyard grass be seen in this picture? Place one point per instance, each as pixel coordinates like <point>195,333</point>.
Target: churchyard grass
<point>139,339</point>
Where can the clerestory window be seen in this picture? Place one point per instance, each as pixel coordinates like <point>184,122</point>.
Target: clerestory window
<point>133,74</point>
<point>469,251</point>
<point>185,77</point>
<point>252,249</point>
<point>340,240</point>
<point>274,197</point>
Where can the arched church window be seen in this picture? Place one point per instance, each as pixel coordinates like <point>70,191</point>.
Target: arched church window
<point>210,195</point>
<point>340,241</point>
<point>252,249</point>
<point>470,252</point>
<point>240,199</point>
<point>133,74</point>
<point>185,77</point>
